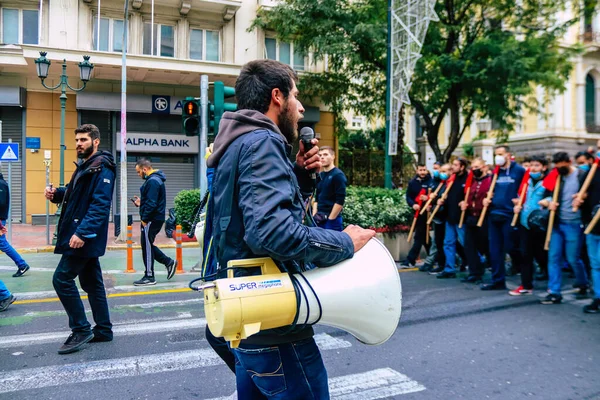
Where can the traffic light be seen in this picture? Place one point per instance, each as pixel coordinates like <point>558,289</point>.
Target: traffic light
<point>190,117</point>
<point>218,105</point>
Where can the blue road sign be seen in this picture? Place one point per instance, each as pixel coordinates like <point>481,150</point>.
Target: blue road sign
<point>9,152</point>
<point>33,143</point>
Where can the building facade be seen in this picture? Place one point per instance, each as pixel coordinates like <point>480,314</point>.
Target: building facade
<point>171,44</point>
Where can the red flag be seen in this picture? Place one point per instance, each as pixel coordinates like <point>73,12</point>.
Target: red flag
<point>524,185</point>
<point>597,161</point>
<point>550,180</point>
<point>497,170</point>
<point>451,179</point>
<point>418,200</point>
<point>468,182</point>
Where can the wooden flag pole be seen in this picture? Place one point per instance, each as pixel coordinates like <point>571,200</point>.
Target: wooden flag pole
<point>593,223</point>
<point>437,207</point>
<point>552,215</point>
<point>428,225</point>
<point>488,197</point>
<point>462,213</point>
<point>412,230</point>
<point>586,184</point>
<point>436,191</point>
<point>520,204</point>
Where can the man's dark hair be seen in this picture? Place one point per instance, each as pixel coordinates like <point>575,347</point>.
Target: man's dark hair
<point>257,80</point>
<point>90,129</point>
<point>561,156</point>
<point>528,159</point>
<point>421,164</point>
<point>539,158</point>
<point>438,163</point>
<point>503,146</point>
<point>143,163</point>
<point>463,161</point>
<point>585,154</point>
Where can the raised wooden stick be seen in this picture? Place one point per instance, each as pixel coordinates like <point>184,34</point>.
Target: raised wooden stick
<point>428,225</point>
<point>437,207</point>
<point>520,204</point>
<point>586,184</point>
<point>436,191</point>
<point>593,223</point>
<point>412,230</point>
<point>552,215</point>
<point>462,213</point>
<point>488,197</point>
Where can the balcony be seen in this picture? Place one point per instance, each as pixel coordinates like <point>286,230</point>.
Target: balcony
<point>590,38</point>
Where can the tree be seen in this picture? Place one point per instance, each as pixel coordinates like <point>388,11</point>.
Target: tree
<point>484,58</point>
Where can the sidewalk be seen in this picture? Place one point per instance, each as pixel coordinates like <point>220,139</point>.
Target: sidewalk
<point>32,239</point>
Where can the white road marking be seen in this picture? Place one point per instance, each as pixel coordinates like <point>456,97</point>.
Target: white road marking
<point>327,342</point>
<point>119,330</point>
<point>116,289</point>
<point>160,304</point>
<point>371,385</point>
<point>58,375</point>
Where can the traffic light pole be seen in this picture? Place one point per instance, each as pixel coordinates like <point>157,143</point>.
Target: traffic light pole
<point>203,137</point>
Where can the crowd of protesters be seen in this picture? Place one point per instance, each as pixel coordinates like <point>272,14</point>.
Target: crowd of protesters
<point>542,212</point>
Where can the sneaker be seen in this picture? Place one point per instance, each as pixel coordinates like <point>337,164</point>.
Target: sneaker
<point>471,279</point>
<point>493,286</point>
<point>542,276</point>
<point>551,299</point>
<point>406,264</point>
<point>520,291</point>
<point>425,267</point>
<point>7,302</point>
<point>593,308</point>
<point>145,281</point>
<point>446,275</point>
<point>75,341</point>
<point>436,270</point>
<point>100,338</point>
<point>582,293</point>
<point>21,271</point>
<point>170,269</point>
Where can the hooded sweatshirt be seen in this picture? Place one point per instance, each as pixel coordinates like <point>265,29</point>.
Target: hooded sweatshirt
<point>507,188</point>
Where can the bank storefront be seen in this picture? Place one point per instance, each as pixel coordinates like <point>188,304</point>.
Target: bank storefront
<point>153,131</point>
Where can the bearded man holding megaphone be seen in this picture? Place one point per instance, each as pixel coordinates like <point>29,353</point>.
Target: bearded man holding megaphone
<point>268,290</point>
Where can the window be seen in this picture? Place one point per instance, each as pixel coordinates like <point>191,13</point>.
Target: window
<point>19,26</point>
<point>590,102</point>
<point>285,53</point>
<point>357,122</point>
<point>164,40</point>
<point>204,45</point>
<point>111,34</point>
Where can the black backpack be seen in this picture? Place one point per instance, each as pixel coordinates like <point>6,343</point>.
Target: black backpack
<point>170,223</point>
<point>538,220</point>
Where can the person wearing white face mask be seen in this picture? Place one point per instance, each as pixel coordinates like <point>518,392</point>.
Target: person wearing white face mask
<point>501,206</point>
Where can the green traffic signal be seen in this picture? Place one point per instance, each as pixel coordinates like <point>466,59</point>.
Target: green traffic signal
<point>218,105</point>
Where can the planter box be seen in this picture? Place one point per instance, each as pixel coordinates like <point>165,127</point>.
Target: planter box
<point>397,245</point>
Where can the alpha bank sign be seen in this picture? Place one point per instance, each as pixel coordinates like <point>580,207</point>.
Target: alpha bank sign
<point>159,143</point>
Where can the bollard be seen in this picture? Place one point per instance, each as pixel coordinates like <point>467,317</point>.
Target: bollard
<point>178,250</point>
<point>129,269</point>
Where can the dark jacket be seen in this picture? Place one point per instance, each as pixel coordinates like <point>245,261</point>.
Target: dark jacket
<point>86,206</point>
<point>479,190</point>
<point>455,196</point>
<point>4,199</point>
<point>153,197</point>
<point>592,201</point>
<point>331,190</point>
<point>507,189</point>
<point>267,210</point>
<point>415,186</point>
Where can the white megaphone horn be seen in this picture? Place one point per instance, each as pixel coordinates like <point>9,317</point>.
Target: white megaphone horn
<point>362,296</point>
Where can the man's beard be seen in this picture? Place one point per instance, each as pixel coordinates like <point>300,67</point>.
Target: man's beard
<point>86,153</point>
<point>287,125</point>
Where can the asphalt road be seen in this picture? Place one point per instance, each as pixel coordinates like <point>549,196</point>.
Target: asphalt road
<point>453,342</point>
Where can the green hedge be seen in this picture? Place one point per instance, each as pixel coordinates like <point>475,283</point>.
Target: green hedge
<point>185,202</point>
<point>384,210</point>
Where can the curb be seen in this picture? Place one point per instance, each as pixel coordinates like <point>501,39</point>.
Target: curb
<point>50,249</point>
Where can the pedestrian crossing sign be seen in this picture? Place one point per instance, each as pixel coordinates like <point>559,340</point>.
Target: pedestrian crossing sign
<point>9,152</point>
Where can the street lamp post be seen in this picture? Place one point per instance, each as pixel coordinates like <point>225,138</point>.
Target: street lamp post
<point>85,71</point>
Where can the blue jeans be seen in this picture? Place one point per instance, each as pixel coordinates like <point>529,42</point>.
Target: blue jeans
<point>333,224</point>
<point>453,233</point>
<point>565,243</point>
<point>4,292</point>
<point>593,247</point>
<point>6,248</point>
<point>90,278</point>
<point>501,241</point>
<point>287,371</point>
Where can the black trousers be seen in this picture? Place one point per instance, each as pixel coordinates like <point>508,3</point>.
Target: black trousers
<point>149,251</point>
<point>476,244</point>
<point>420,239</point>
<point>439,233</point>
<point>90,277</point>
<point>531,247</point>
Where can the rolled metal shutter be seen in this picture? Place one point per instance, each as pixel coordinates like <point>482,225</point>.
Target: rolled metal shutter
<point>12,128</point>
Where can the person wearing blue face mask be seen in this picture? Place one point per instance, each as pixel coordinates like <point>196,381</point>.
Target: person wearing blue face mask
<point>531,241</point>
<point>584,161</point>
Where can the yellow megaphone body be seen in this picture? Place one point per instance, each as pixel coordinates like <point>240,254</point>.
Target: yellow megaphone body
<point>362,296</point>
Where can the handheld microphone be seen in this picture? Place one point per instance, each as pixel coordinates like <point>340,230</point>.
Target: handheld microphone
<point>306,135</point>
